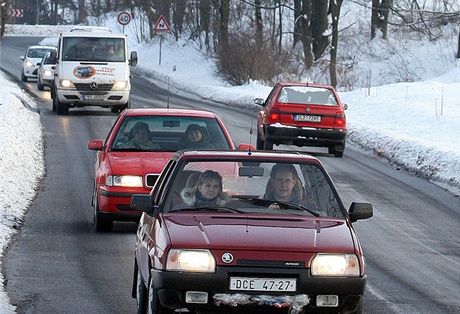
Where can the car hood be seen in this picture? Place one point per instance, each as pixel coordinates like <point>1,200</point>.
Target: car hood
<point>259,233</point>
<point>138,163</point>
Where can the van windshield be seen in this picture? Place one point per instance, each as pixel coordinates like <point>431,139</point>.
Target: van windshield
<point>93,49</point>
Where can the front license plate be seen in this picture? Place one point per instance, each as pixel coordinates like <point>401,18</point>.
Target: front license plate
<point>306,117</point>
<point>93,97</point>
<point>263,284</point>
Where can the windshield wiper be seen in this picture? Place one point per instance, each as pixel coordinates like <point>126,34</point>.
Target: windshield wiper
<point>208,208</point>
<point>264,202</point>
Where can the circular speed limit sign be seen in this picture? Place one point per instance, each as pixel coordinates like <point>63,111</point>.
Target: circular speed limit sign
<point>124,18</point>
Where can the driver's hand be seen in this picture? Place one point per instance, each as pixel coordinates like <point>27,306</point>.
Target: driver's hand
<point>274,206</point>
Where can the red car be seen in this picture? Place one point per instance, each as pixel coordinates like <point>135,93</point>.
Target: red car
<point>252,232</point>
<point>124,167</point>
<point>302,114</point>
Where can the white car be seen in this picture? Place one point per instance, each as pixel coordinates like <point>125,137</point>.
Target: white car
<point>31,59</point>
<point>46,70</point>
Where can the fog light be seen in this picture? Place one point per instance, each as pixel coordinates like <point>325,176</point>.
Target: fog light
<point>327,300</point>
<point>196,297</point>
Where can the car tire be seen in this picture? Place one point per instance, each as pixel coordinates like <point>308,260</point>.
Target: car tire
<point>153,305</point>
<point>359,309</point>
<point>141,293</point>
<point>61,108</point>
<point>101,223</point>
<point>39,84</point>
<point>23,77</point>
<point>337,152</point>
<point>268,145</point>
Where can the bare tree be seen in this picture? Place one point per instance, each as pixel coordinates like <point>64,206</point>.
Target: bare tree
<point>3,17</point>
<point>458,49</point>
<point>81,11</point>
<point>334,7</point>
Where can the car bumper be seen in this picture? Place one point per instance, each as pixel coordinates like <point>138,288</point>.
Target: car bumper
<point>103,99</point>
<point>172,287</point>
<point>116,204</point>
<point>280,134</point>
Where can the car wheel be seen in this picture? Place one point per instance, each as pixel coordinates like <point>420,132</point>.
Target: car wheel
<point>268,145</point>
<point>61,108</point>
<point>141,294</point>
<point>101,223</point>
<point>23,77</point>
<point>337,150</point>
<point>115,109</point>
<point>359,309</point>
<point>154,306</point>
<point>260,143</point>
<point>39,84</point>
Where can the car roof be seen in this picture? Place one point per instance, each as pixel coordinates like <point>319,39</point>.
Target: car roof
<point>269,156</point>
<point>42,47</point>
<point>283,84</point>
<point>170,112</point>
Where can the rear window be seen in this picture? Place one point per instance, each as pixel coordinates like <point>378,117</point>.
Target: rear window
<point>37,52</point>
<point>307,95</point>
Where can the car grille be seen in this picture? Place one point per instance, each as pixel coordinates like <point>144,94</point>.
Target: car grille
<point>86,87</point>
<point>150,179</point>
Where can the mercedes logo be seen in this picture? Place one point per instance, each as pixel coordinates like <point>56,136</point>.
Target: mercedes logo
<point>227,258</point>
<point>93,85</point>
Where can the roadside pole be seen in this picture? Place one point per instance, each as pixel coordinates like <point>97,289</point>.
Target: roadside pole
<point>161,26</point>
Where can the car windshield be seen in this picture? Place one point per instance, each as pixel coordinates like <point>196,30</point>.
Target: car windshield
<point>93,49</point>
<point>256,187</point>
<point>168,133</point>
<point>38,53</point>
<point>307,95</point>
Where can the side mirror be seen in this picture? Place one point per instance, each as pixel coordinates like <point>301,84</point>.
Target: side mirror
<point>96,145</point>
<point>360,211</point>
<point>345,106</point>
<point>133,58</point>
<point>142,202</point>
<point>244,146</point>
<point>259,101</point>
<point>39,64</point>
<point>53,67</point>
<point>22,58</point>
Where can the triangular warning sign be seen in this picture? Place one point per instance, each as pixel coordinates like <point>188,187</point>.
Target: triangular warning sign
<point>161,25</point>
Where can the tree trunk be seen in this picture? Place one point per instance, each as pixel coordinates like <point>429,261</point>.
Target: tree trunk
<point>297,17</point>
<point>259,25</point>
<point>318,25</point>
<point>379,18</point>
<point>335,14</point>
<point>458,48</point>
<point>151,16</point>
<point>3,18</point>
<point>306,33</point>
<point>205,11</point>
<point>81,11</point>
<point>178,17</point>
<point>224,13</point>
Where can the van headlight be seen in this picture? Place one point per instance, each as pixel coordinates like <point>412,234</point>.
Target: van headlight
<point>191,261</point>
<point>335,265</point>
<point>47,73</point>
<point>119,85</point>
<point>66,84</point>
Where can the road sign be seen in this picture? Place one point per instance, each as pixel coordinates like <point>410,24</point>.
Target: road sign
<point>124,18</point>
<point>16,12</point>
<point>161,25</point>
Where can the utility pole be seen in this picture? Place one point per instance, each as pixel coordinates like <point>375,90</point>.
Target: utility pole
<point>38,12</point>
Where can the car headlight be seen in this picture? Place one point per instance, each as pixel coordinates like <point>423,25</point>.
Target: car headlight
<point>335,265</point>
<point>127,181</point>
<point>29,64</point>
<point>120,85</point>
<point>191,261</point>
<point>47,73</point>
<point>66,84</point>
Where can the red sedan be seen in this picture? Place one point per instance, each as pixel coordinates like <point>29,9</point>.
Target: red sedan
<point>247,231</point>
<point>136,149</point>
<point>302,114</point>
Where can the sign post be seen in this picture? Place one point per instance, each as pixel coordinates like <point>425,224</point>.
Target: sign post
<point>123,19</point>
<point>161,26</point>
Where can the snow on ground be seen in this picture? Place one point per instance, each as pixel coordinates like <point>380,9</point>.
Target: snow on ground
<point>414,125</point>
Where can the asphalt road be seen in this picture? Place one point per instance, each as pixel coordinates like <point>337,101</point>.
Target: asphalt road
<point>57,263</point>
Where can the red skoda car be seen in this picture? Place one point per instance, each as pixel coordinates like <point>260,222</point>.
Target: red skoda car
<point>236,231</point>
<point>139,144</point>
<point>302,114</point>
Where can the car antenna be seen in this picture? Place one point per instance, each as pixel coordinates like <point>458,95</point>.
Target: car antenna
<point>251,131</point>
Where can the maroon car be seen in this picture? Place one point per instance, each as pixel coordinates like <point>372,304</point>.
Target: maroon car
<point>302,114</point>
<point>257,231</point>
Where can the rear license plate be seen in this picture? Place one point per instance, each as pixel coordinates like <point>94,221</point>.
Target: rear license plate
<point>93,97</point>
<point>306,117</point>
<point>263,284</point>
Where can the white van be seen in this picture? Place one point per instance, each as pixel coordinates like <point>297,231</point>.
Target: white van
<point>92,69</point>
